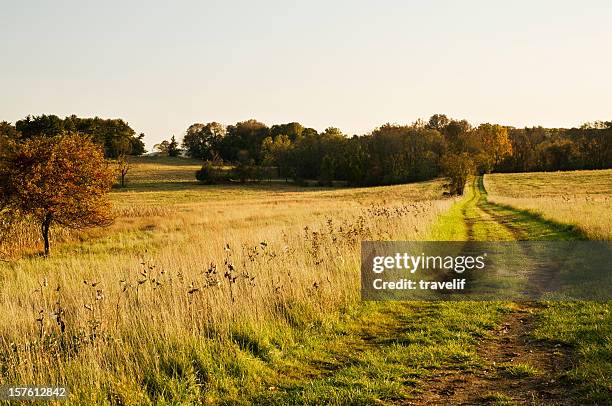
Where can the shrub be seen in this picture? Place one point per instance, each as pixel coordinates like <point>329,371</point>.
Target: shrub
<point>208,174</point>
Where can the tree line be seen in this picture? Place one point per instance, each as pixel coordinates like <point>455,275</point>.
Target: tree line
<point>398,153</point>
<point>115,136</point>
<point>57,171</point>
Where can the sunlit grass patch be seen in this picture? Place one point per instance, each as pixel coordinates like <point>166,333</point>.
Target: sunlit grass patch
<point>586,327</point>
<point>579,198</point>
<point>517,370</point>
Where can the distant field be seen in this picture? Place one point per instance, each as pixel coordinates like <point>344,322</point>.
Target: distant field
<point>157,169</point>
<point>582,198</point>
<point>255,207</point>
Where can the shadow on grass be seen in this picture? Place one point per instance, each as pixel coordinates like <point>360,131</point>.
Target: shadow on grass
<point>526,225</point>
<point>278,186</point>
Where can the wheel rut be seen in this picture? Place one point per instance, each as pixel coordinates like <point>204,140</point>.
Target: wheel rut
<point>516,369</point>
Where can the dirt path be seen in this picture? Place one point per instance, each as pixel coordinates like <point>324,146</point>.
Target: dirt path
<point>442,353</point>
<point>517,369</point>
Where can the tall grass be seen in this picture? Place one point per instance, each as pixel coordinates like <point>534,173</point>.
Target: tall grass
<point>192,289</point>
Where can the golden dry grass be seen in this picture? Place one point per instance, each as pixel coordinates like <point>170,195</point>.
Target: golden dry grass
<point>185,261</point>
<point>210,286</point>
<point>581,198</point>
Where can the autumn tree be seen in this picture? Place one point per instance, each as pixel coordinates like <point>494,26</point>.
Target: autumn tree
<point>61,180</point>
<point>494,145</point>
<point>8,131</point>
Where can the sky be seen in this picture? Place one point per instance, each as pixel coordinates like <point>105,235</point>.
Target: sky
<point>355,65</point>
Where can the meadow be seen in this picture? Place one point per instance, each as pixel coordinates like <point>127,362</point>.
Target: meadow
<point>581,198</point>
<point>212,270</point>
<point>578,205</point>
<point>234,294</point>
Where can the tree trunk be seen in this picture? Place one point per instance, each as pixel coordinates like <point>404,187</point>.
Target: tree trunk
<point>46,224</point>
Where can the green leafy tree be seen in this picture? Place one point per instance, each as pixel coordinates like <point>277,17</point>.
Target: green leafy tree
<point>457,168</point>
<point>292,130</point>
<point>277,152</point>
<point>245,167</point>
<point>327,171</point>
<point>560,154</point>
<point>438,122</point>
<point>45,125</point>
<point>162,147</point>
<point>210,174</point>
<point>202,141</point>
<point>244,136</point>
<point>138,146</point>
<point>115,135</point>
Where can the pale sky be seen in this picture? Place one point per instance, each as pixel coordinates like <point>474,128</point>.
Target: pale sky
<point>355,65</point>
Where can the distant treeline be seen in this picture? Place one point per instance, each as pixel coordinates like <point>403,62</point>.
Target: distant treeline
<point>389,154</point>
<point>396,154</point>
<point>559,149</point>
<point>115,135</point>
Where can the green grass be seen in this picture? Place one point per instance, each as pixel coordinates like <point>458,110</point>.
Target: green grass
<point>381,353</point>
<point>475,218</point>
<point>375,353</point>
<point>518,370</point>
<point>384,352</point>
<point>451,226</point>
<point>586,328</point>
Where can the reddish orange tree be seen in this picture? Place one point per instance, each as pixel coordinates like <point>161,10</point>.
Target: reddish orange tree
<point>61,180</point>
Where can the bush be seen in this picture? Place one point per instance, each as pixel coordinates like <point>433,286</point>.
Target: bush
<point>209,175</point>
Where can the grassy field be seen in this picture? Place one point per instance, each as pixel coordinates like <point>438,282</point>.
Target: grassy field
<point>225,277</point>
<point>578,203</point>
<point>581,198</point>
<point>236,294</point>
<point>154,170</point>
